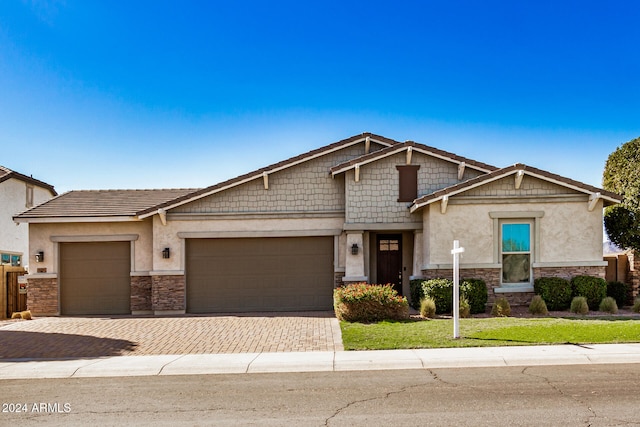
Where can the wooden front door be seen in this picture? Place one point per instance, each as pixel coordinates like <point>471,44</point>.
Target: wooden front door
<point>389,260</point>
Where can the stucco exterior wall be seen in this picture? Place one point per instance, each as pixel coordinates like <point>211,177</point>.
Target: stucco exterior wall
<point>568,232</point>
<point>13,200</point>
<point>40,240</point>
<point>306,187</point>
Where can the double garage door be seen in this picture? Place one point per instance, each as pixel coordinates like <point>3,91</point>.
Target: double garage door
<point>259,274</point>
<point>223,275</point>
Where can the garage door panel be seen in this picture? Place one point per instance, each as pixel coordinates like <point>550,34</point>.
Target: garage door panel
<point>95,278</point>
<point>270,274</point>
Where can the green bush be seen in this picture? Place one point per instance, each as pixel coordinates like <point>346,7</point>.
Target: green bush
<point>465,308</point>
<point>608,305</point>
<point>618,291</point>
<point>416,293</point>
<point>475,291</point>
<point>427,308</point>
<point>441,291</point>
<point>501,308</point>
<point>362,302</point>
<point>555,291</point>
<point>636,306</point>
<point>538,306</point>
<point>594,289</point>
<point>579,305</point>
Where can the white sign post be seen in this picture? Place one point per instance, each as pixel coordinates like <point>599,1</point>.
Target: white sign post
<point>456,251</point>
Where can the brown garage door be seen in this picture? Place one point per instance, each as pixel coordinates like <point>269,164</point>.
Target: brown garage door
<point>95,278</point>
<point>266,274</point>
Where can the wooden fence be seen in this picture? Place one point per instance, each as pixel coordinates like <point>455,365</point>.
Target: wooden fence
<point>11,300</point>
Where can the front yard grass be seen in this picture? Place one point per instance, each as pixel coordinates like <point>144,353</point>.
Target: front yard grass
<point>486,332</point>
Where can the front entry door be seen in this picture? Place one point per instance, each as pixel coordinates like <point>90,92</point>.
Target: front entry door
<point>389,260</point>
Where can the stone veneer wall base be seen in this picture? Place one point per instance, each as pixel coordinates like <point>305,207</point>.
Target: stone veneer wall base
<point>168,294</point>
<point>42,296</point>
<point>141,295</point>
<point>491,276</point>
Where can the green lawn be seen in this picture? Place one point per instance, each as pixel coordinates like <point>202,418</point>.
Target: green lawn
<point>485,332</point>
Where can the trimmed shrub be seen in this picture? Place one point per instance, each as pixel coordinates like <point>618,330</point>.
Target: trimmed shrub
<point>475,291</point>
<point>501,308</point>
<point>555,291</point>
<point>579,305</point>
<point>441,291</point>
<point>427,308</point>
<point>608,305</point>
<point>594,289</point>
<point>618,291</point>
<point>361,302</point>
<point>465,308</point>
<point>416,293</point>
<point>636,306</point>
<point>538,306</point>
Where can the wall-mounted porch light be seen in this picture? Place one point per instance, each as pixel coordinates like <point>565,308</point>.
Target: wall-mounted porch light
<point>39,256</point>
<point>166,253</point>
<point>354,249</point>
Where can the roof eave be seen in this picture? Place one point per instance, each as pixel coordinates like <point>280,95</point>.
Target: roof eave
<point>75,219</point>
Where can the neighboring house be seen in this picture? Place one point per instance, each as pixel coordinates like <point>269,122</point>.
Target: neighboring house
<point>366,208</point>
<point>18,193</point>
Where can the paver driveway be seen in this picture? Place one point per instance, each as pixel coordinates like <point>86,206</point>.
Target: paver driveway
<point>70,337</point>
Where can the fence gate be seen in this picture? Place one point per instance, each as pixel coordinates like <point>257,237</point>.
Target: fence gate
<point>16,293</point>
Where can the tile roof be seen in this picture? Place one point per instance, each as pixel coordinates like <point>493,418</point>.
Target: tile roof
<point>6,173</point>
<point>609,197</point>
<point>102,203</point>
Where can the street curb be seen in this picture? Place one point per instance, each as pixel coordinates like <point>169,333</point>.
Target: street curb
<point>339,361</point>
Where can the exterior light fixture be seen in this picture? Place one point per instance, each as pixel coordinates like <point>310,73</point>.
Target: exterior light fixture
<point>166,253</point>
<point>354,249</point>
<point>39,256</point>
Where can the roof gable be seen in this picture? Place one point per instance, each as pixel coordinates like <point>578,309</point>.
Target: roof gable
<point>518,171</point>
<point>263,173</point>
<point>6,174</point>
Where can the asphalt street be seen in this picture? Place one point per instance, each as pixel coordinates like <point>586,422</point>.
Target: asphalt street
<point>574,395</point>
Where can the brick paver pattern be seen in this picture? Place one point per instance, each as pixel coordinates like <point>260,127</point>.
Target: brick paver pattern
<point>60,337</point>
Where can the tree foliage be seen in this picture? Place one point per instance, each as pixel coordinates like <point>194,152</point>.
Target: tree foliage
<point>622,175</point>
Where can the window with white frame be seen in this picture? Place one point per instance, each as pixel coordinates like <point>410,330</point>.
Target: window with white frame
<point>516,251</point>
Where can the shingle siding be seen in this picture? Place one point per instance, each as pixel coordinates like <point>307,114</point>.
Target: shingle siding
<point>530,186</point>
<point>307,187</point>
<point>374,198</point>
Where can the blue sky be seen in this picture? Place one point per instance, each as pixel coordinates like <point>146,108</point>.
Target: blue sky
<point>160,94</point>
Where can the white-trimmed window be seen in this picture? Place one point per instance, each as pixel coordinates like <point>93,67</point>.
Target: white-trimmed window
<point>516,249</point>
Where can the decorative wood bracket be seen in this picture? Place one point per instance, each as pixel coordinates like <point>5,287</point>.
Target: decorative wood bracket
<point>265,179</point>
<point>443,204</point>
<point>367,145</point>
<point>357,172</point>
<point>409,154</point>
<point>593,201</point>
<point>461,168</point>
<point>519,176</point>
<point>163,216</point>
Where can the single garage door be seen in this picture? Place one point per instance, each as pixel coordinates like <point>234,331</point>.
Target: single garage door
<point>261,274</point>
<point>95,278</point>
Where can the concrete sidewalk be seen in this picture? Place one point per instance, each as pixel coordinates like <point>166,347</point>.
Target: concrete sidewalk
<point>323,361</point>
